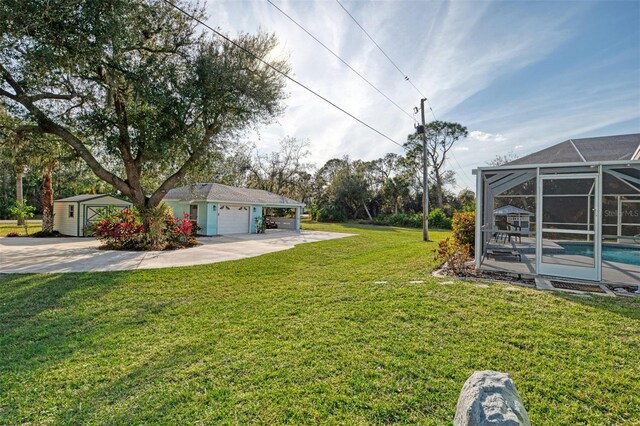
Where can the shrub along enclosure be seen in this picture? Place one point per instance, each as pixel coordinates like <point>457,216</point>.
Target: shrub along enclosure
<point>464,226</point>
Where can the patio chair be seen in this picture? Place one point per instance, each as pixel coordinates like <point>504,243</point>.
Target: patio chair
<point>507,230</point>
<point>516,231</point>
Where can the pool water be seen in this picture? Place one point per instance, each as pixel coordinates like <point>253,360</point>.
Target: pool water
<point>611,253</point>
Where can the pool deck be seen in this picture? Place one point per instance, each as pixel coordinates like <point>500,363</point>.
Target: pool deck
<point>612,272</point>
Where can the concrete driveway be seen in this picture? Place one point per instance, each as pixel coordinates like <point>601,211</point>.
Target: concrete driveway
<point>31,255</point>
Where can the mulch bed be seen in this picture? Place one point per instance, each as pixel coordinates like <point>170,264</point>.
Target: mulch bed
<point>474,274</point>
<point>577,287</point>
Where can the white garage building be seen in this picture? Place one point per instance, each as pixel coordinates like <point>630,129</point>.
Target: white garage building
<point>222,210</point>
<point>72,215</point>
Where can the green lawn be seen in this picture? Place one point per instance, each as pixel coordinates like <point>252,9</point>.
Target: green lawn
<point>306,336</point>
<point>33,226</point>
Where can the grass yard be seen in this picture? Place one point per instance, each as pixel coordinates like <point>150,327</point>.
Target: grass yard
<point>6,227</point>
<point>310,335</point>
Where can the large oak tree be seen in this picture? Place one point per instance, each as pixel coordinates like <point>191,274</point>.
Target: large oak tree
<point>134,87</point>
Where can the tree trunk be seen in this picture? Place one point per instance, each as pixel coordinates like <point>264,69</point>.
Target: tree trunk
<point>152,220</point>
<point>439,190</point>
<point>366,209</point>
<point>19,194</point>
<point>47,198</point>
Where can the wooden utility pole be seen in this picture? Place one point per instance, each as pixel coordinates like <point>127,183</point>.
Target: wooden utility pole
<point>425,182</point>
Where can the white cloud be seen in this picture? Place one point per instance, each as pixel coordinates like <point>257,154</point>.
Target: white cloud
<point>486,137</point>
<point>453,51</point>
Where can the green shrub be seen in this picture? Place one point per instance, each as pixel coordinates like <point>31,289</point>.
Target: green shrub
<point>439,220</point>
<point>407,220</point>
<point>330,213</point>
<point>23,212</point>
<point>464,228</point>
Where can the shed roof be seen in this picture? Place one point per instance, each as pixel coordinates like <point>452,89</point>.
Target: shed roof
<point>86,197</point>
<point>601,148</point>
<point>229,194</point>
<point>509,209</point>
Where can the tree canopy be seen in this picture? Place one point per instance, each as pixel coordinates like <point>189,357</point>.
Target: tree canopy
<point>133,88</point>
<point>440,138</point>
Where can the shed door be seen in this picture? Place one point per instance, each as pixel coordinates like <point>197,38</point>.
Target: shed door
<point>233,220</point>
<point>93,213</point>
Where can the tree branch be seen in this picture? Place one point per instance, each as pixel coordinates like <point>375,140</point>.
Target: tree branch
<point>48,95</point>
<point>175,178</point>
<point>49,126</point>
<point>12,82</point>
<point>7,94</point>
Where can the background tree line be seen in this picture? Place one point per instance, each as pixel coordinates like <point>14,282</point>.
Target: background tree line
<point>341,189</point>
<point>130,97</point>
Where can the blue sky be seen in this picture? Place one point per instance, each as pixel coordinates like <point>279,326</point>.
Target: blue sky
<point>520,75</point>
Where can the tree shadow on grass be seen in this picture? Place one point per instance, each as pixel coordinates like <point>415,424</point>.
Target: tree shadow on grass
<point>48,318</point>
<point>628,307</point>
<point>369,227</point>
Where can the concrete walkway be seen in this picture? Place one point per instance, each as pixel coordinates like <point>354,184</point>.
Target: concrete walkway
<point>31,255</point>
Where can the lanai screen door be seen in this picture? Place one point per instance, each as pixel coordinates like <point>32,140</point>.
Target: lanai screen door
<point>568,235</point>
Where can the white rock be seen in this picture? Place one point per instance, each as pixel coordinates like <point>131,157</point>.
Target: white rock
<point>490,398</point>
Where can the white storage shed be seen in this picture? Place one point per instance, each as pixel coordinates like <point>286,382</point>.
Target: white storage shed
<point>71,215</point>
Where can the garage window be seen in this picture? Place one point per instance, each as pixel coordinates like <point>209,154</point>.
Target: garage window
<point>71,210</point>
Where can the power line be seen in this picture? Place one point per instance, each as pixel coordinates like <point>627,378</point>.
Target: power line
<point>285,75</point>
<point>462,174</point>
<point>461,168</point>
<point>204,24</point>
<point>404,75</point>
<point>342,60</point>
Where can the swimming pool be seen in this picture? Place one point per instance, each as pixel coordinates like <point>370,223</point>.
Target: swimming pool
<point>611,253</point>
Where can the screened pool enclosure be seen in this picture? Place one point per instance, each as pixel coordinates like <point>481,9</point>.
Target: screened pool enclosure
<point>570,211</point>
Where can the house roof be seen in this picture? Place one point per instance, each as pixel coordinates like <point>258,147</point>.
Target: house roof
<point>86,197</point>
<point>602,148</point>
<point>229,194</point>
<point>509,209</point>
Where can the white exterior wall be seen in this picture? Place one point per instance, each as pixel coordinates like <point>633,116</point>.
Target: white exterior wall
<point>74,226</point>
<point>61,220</point>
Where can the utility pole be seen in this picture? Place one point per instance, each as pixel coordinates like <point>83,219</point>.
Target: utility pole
<point>425,183</point>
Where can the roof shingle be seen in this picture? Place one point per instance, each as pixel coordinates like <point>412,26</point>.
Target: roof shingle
<point>602,148</point>
<point>223,193</point>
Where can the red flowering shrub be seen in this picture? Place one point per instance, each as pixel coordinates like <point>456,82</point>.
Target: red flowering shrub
<point>120,230</point>
<point>177,232</point>
<point>123,230</point>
